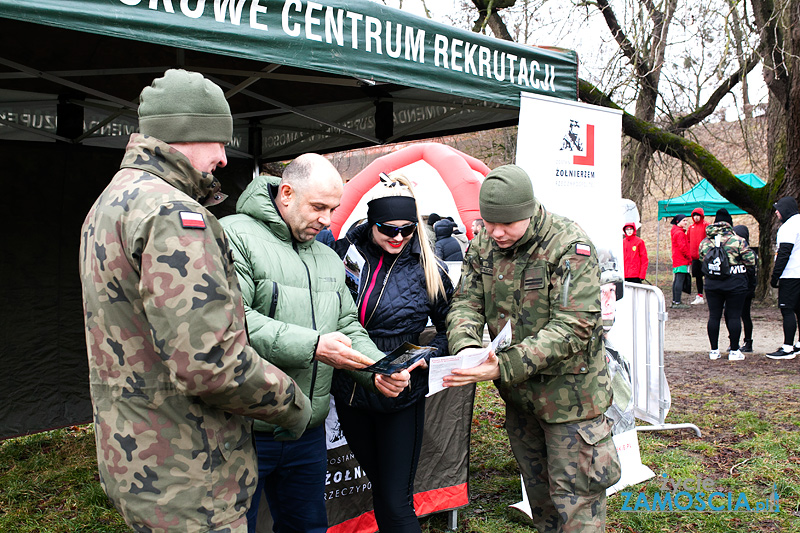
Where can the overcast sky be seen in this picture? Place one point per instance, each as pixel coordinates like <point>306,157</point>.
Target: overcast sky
<point>587,47</point>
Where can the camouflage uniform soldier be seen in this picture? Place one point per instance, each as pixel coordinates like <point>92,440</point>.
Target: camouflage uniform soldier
<point>172,377</point>
<point>540,271</point>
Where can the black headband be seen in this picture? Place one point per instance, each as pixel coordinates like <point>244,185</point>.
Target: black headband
<point>392,208</point>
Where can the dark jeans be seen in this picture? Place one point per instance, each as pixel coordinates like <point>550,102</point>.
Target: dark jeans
<point>677,286</point>
<point>747,320</point>
<point>387,445</point>
<point>292,474</point>
<point>697,272</point>
<point>732,303</point>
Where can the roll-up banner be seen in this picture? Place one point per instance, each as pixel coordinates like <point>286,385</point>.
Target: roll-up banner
<point>572,152</point>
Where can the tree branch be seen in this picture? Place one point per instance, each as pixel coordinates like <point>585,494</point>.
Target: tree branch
<point>755,201</point>
<point>699,114</point>
<point>639,63</point>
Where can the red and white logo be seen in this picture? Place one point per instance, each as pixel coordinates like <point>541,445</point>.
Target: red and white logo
<point>573,141</point>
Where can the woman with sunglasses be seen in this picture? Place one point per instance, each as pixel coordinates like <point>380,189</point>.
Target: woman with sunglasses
<point>401,285</point>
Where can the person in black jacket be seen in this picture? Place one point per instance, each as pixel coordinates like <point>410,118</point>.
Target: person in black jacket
<point>752,278</point>
<point>447,247</point>
<point>398,284</point>
<point>726,293</point>
<point>786,275</point>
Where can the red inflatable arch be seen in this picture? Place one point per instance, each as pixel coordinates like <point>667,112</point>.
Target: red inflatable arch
<point>456,169</point>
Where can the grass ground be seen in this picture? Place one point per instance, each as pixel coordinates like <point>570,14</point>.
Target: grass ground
<point>750,444</point>
<point>748,412</point>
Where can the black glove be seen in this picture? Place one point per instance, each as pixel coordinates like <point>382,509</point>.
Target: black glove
<point>774,283</point>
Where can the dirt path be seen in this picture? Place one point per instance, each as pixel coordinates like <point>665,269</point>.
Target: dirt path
<point>688,367</point>
<point>686,330</point>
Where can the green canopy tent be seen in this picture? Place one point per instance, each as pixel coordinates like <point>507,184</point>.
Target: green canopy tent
<point>706,196</point>
<point>702,195</point>
<point>300,76</point>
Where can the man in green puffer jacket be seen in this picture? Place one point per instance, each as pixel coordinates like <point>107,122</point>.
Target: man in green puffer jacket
<point>539,271</point>
<point>301,318</point>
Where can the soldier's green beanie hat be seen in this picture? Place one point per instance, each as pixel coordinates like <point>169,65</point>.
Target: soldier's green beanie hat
<point>507,195</point>
<point>185,107</point>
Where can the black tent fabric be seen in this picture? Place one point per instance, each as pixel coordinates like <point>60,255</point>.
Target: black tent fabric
<point>44,383</point>
<point>44,380</point>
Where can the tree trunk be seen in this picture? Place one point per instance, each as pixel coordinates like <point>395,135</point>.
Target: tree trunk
<point>782,75</point>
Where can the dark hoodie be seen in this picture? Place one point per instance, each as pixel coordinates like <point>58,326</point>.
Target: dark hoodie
<point>787,208</point>
<point>447,247</point>
<point>752,271</point>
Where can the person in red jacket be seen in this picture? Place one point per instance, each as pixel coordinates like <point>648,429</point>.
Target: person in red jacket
<point>695,234</point>
<point>680,259</point>
<point>634,254</point>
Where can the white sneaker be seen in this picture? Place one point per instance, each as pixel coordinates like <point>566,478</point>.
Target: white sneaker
<point>698,300</point>
<point>735,355</point>
<point>714,354</point>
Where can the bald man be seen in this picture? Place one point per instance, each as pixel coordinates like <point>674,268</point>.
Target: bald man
<point>301,318</point>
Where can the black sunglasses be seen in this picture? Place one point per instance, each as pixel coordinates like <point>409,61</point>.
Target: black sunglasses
<point>391,230</point>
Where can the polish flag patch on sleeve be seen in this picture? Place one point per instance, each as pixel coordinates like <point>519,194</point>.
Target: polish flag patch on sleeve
<point>583,249</point>
<point>192,220</point>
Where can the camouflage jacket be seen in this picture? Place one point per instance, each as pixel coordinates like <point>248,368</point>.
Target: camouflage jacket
<point>172,378</point>
<point>293,291</point>
<point>548,285</point>
<point>740,256</point>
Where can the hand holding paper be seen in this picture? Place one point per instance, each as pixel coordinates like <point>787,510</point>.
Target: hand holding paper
<point>335,349</point>
<point>486,371</point>
<point>392,385</point>
<point>470,365</point>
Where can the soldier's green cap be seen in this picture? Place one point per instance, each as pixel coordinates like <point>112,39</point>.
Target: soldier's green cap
<point>184,106</point>
<point>507,195</point>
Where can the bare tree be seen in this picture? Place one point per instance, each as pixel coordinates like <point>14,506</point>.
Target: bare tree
<point>666,134</point>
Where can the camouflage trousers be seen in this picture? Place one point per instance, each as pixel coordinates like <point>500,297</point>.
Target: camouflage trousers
<point>566,469</point>
<point>237,526</point>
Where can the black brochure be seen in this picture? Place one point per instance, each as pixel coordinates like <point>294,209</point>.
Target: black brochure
<point>401,357</point>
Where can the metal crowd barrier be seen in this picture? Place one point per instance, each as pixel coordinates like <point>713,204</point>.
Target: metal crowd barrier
<point>645,308</point>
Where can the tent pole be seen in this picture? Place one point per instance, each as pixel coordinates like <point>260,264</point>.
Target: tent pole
<point>658,245</point>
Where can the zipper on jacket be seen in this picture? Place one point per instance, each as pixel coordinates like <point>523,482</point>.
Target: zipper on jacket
<point>313,326</point>
<point>273,306</point>
<point>565,285</point>
<point>380,294</point>
<point>362,292</point>
<point>352,395</point>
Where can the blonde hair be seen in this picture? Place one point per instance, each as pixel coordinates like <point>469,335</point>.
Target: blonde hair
<point>398,185</point>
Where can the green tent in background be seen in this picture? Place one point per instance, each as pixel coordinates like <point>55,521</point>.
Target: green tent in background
<point>702,195</point>
<point>706,196</point>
